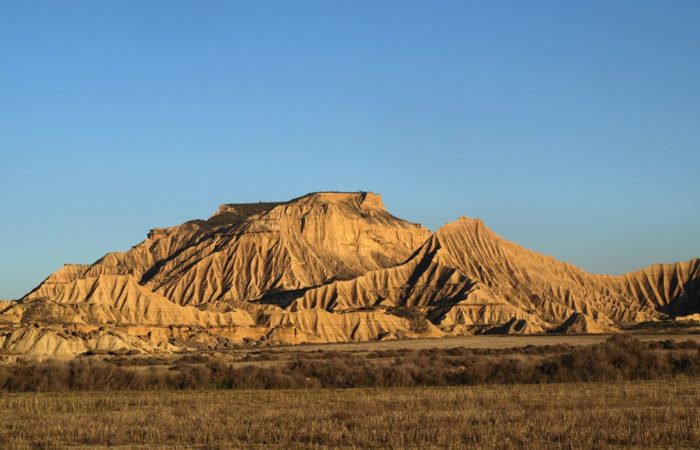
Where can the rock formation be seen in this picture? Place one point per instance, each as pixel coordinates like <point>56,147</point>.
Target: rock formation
<point>326,267</point>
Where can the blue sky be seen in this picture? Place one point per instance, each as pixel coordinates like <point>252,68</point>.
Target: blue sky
<point>572,128</point>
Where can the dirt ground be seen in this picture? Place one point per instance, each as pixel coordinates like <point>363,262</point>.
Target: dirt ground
<point>482,341</point>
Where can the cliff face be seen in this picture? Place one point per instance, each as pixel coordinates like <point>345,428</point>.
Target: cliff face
<point>467,278</point>
<point>296,245</point>
<point>326,267</point>
<point>245,251</point>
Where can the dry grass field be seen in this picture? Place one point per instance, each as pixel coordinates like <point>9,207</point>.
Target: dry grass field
<point>662,414</point>
<point>621,392</point>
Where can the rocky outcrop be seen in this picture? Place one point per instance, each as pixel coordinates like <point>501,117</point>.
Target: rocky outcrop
<point>579,323</point>
<point>118,299</point>
<point>4,305</point>
<point>326,267</point>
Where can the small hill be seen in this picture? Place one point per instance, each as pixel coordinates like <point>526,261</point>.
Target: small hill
<point>579,323</point>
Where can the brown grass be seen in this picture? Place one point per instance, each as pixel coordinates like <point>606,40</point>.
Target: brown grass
<point>575,415</point>
<point>619,358</point>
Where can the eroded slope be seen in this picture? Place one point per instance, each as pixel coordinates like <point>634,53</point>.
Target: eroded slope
<point>326,267</point>
<point>465,277</point>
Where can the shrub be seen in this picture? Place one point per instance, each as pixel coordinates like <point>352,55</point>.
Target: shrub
<point>619,358</point>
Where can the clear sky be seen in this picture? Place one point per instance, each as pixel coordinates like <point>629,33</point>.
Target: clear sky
<point>572,128</point>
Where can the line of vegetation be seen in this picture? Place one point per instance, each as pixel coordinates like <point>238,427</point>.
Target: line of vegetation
<point>619,358</point>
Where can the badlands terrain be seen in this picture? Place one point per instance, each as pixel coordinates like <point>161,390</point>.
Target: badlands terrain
<point>327,267</point>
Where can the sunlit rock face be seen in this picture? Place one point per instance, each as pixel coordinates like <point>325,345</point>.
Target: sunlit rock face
<point>326,267</point>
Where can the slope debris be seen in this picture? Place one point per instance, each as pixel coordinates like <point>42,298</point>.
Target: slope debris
<point>326,267</point>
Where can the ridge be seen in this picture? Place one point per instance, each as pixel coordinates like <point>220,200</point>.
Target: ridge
<point>328,267</point>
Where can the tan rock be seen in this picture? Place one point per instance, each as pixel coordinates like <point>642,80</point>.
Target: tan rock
<point>326,267</point>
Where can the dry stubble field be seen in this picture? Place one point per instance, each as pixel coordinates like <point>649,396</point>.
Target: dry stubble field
<point>622,392</point>
<point>576,415</point>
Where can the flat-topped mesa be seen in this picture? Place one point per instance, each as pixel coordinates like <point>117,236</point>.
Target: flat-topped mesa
<point>246,250</point>
<point>295,245</point>
<point>361,199</point>
<point>223,209</point>
<point>327,267</point>
<point>233,213</point>
<point>373,200</point>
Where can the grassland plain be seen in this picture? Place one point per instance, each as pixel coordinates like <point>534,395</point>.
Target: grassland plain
<point>662,414</point>
<point>623,392</point>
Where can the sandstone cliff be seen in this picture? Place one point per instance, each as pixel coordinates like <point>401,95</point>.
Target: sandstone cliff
<point>326,267</point>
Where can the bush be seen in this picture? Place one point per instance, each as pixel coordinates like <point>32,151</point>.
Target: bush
<point>619,358</point>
